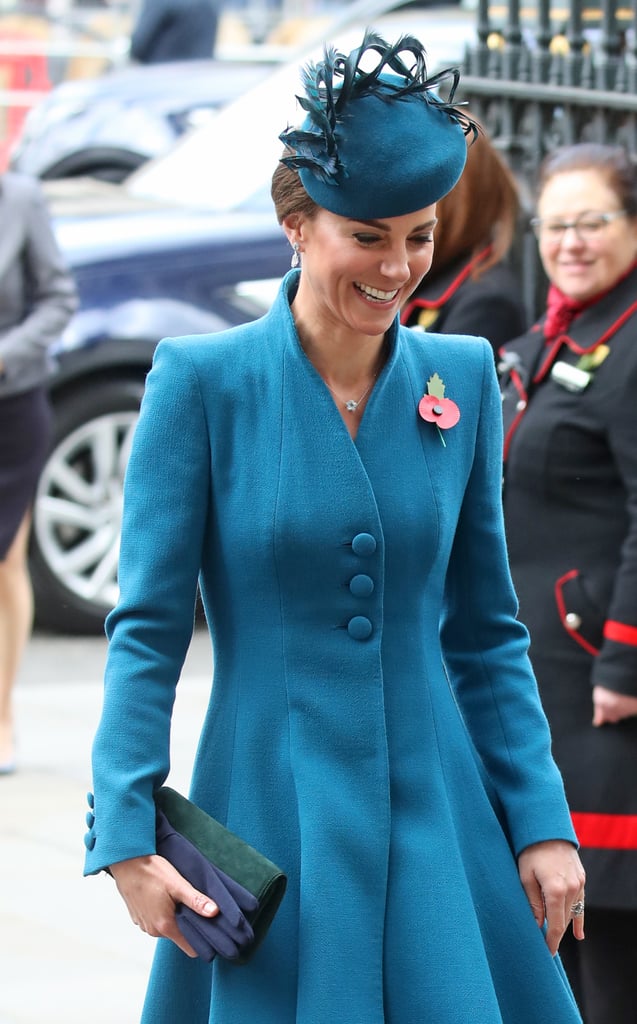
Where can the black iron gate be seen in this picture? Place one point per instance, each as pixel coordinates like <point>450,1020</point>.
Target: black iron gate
<point>551,74</point>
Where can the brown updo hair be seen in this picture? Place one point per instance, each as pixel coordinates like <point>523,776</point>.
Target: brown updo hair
<point>289,195</point>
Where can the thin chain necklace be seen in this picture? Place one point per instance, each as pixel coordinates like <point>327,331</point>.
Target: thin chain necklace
<point>352,405</point>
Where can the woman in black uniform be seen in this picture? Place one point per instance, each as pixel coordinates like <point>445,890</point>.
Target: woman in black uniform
<point>570,409</point>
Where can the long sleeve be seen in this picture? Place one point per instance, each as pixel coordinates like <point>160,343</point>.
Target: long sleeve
<point>165,502</point>
<point>38,293</point>
<point>615,667</point>
<point>486,651</point>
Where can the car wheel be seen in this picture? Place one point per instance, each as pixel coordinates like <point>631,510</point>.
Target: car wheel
<point>77,512</point>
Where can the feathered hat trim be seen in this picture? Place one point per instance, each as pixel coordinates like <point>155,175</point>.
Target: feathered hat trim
<point>361,123</point>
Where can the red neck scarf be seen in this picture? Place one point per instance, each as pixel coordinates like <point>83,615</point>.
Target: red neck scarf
<point>560,311</point>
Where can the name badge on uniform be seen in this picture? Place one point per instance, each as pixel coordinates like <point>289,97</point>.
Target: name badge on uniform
<point>570,377</point>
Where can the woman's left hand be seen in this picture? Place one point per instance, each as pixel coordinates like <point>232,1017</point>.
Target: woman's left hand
<point>611,707</point>
<point>553,879</point>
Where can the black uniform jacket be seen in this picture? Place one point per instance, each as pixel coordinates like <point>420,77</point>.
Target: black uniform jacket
<point>452,302</point>
<point>570,497</point>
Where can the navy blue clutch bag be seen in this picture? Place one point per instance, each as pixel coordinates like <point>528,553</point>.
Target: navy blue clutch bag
<point>245,885</point>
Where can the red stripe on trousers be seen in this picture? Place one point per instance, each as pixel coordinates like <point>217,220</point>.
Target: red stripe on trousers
<point>608,831</point>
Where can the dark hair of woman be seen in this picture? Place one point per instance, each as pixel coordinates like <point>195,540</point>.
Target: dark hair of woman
<point>619,169</point>
<point>482,209</point>
<point>289,195</point>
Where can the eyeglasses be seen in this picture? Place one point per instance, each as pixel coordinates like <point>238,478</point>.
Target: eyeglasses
<point>587,226</point>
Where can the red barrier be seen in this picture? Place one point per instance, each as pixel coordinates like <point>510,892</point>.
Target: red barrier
<point>19,72</point>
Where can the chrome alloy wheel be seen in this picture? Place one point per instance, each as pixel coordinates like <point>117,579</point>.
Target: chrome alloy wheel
<point>78,509</point>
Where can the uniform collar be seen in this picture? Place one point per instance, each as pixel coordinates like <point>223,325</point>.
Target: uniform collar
<point>595,325</point>
<point>434,292</point>
<point>599,319</point>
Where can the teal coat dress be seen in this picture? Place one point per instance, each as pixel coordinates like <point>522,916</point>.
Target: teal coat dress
<point>374,727</point>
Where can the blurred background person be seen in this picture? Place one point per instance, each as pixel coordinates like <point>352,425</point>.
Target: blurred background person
<point>472,287</point>
<point>167,30</point>
<point>570,409</point>
<point>37,299</point>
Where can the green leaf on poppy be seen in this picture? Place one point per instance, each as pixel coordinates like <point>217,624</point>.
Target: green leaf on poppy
<point>435,386</point>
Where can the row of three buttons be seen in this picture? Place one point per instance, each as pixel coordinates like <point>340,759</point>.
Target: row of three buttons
<point>361,585</point>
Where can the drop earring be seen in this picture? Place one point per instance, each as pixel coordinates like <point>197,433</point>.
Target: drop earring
<point>296,257</point>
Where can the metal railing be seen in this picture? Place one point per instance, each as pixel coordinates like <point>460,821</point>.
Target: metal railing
<point>546,76</point>
<point>541,87</point>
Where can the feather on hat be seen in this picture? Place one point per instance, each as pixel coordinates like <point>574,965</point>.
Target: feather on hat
<point>377,143</point>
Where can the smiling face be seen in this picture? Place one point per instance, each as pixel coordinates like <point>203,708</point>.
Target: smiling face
<point>357,274</point>
<point>584,267</point>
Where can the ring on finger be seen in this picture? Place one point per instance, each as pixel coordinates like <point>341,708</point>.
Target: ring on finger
<point>578,908</point>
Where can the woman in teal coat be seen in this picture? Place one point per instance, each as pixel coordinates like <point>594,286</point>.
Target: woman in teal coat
<point>333,481</point>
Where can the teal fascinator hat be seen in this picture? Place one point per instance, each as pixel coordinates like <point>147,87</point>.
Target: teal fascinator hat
<point>377,143</point>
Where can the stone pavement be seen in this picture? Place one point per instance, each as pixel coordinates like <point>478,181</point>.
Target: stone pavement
<point>68,950</point>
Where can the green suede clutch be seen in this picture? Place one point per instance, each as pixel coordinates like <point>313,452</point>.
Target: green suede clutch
<point>231,854</point>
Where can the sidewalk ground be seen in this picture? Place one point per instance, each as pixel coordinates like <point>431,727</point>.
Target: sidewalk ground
<point>68,950</point>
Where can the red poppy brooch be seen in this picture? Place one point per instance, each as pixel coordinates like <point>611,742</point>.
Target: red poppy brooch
<point>435,408</point>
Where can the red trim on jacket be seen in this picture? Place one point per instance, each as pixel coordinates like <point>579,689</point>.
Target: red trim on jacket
<point>561,607</point>
<point>614,327</point>
<point>555,345</point>
<point>460,278</point>
<point>606,831</point>
<point>549,355</point>
<point>620,632</point>
<point>516,380</point>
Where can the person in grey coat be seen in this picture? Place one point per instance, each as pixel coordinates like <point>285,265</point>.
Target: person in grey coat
<point>168,30</point>
<point>37,299</point>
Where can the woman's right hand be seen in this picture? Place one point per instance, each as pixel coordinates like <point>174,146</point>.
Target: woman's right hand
<point>151,888</point>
